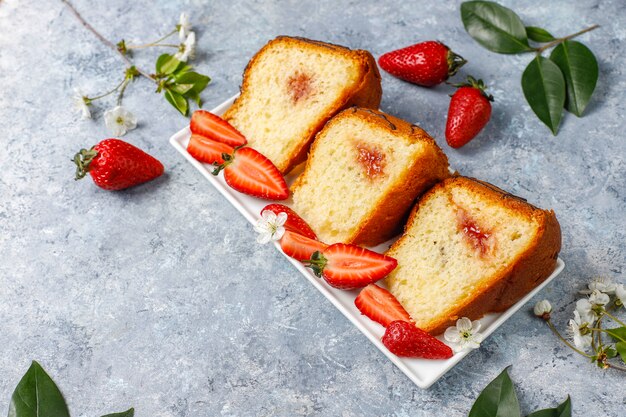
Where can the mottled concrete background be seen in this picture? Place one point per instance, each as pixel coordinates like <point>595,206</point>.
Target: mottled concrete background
<point>158,297</point>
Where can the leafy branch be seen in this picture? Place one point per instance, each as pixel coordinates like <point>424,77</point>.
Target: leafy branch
<point>173,77</point>
<point>566,79</point>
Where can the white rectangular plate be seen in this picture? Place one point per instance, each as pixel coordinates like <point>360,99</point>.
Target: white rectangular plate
<point>422,372</point>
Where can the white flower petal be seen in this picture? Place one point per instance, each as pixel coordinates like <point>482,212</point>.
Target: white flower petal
<point>542,307</point>
<point>281,218</point>
<point>464,324</point>
<point>599,298</point>
<point>620,292</point>
<point>269,216</point>
<point>476,325</point>
<point>452,335</point>
<point>280,231</point>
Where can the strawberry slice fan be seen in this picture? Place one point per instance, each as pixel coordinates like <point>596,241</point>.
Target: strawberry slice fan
<point>215,141</point>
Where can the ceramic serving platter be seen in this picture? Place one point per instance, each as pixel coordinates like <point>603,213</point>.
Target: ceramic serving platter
<point>422,372</point>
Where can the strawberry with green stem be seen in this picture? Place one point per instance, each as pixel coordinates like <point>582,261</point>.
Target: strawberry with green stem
<point>469,112</point>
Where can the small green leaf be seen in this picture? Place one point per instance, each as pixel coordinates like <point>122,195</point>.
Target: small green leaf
<point>610,352</point>
<point>495,27</point>
<point>618,333</point>
<point>183,69</point>
<point>198,80</point>
<point>166,64</point>
<point>621,349</point>
<point>498,399</point>
<point>537,34</point>
<point>181,88</point>
<point>580,69</point>
<point>178,101</point>
<point>37,395</point>
<point>192,95</point>
<point>544,89</point>
<point>563,410</point>
<point>127,413</point>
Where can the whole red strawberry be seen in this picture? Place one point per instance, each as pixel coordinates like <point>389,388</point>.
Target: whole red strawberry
<point>404,339</point>
<point>428,63</point>
<point>115,165</point>
<point>469,112</point>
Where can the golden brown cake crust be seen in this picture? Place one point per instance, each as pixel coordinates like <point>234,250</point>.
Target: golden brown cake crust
<point>530,269</point>
<point>385,221</point>
<point>367,93</point>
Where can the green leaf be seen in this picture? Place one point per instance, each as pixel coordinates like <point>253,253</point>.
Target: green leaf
<point>198,80</point>
<point>192,95</point>
<point>563,410</point>
<point>618,333</point>
<point>180,88</point>
<point>182,69</point>
<point>178,101</point>
<point>166,64</point>
<point>537,34</point>
<point>580,69</point>
<point>544,89</point>
<point>127,413</point>
<point>495,27</point>
<point>621,349</point>
<point>498,399</point>
<point>36,395</point>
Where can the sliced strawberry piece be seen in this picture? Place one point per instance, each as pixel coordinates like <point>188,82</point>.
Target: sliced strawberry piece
<point>300,247</point>
<point>214,127</point>
<point>348,267</point>
<point>294,222</point>
<point>404,339</point>
<point>380,305</point>
<point>207,150</point>
<point>251,173</point>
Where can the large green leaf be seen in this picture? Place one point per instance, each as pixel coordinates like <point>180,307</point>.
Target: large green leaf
<point>563,410</point>
<point>618,333</point>
<point>580,69</point>
<point>544,89</point>
<point>538,34</point>
<point>495,27</point>
<point>37,395</point>
<point>498,399</point>
<point>127,413</point>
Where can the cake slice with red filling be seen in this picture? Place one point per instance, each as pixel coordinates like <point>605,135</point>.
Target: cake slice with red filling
<point>470,248</point>
<point>290,89</point>
<point>365,170</point>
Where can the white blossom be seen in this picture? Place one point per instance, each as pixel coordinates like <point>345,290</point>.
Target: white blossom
<point>187,49</point>
<point>542,307</point>
<point>578,331</point>
<point>119,120</point>
<point>464,335</point>
<point>620,293</point>
<point>184,26</point>
<point>601,284</point>
<point>270,226</point>
<point>81,103</point>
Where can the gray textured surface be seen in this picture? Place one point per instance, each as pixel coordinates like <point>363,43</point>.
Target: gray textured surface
<point>158,296</point>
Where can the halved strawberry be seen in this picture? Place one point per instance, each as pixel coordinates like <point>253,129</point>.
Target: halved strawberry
<point>348,267</point>
<point>404,339</point>
<point>300,247</point>
<point>380,305</point>
<point>294,222</point>
<point>207,150</point>
<point>251,173</point>
<point>214,127</point>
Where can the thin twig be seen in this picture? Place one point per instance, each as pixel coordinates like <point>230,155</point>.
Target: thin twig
<point>105,40</point>
<point>152,43</point>
<point>560,40</point>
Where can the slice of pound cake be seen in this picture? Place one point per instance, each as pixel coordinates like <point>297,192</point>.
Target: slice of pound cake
<point>290,89</point>
<point>365,170</point>
<point>470,248</point>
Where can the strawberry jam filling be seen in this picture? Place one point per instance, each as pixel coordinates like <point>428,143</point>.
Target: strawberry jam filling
<point>299,86</point>
<point>371,159</point>
<point>479,237</point>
